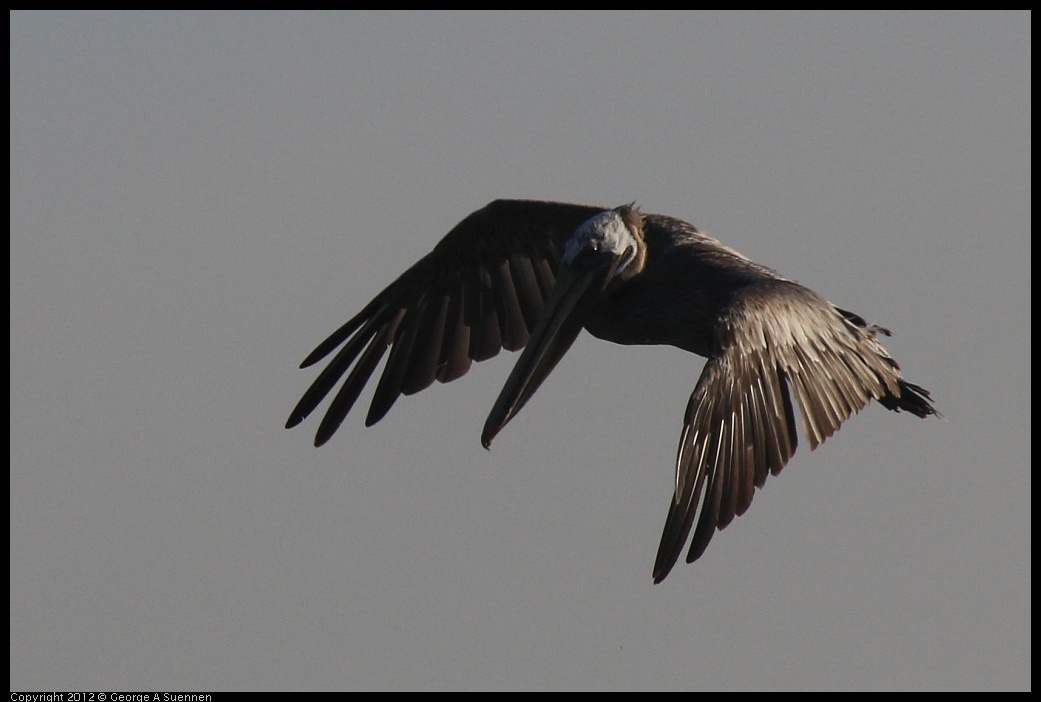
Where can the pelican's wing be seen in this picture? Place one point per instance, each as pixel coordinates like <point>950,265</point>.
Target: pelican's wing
<point>481,289</point>
<point>773,339</point>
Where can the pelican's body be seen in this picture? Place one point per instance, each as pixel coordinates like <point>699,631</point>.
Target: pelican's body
<point>527,274</point>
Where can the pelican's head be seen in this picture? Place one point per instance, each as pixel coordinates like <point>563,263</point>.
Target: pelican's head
<point>616,234</point>
<point>608,247</point>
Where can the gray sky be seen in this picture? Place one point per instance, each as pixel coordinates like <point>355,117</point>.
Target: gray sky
<point>198,199</point>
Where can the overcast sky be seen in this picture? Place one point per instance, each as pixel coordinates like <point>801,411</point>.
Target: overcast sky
<point>198,199</point>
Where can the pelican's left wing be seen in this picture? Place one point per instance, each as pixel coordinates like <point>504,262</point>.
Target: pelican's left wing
<point>773,339</point>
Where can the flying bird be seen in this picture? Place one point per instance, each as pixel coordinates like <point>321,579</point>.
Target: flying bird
<point>521,274</point>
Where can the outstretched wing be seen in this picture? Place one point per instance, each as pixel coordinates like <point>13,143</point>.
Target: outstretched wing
<point>773,339</point>
<point>481,289</point>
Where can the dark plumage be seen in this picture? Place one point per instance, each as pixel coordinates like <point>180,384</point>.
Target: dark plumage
<point>527,274</point>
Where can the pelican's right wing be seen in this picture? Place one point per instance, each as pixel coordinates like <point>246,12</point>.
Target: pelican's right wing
<point>481,289</point>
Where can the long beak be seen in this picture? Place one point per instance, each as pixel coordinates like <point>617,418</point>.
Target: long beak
<point>577,288</point>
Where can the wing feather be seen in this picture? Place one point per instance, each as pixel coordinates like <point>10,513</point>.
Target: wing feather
<point>455,360</point>
<point>426,349</point>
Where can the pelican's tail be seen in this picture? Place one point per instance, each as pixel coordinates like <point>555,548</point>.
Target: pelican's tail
<point>913,398</point>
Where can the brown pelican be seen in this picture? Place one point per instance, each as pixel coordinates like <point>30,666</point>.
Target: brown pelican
<point>527,274</point>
